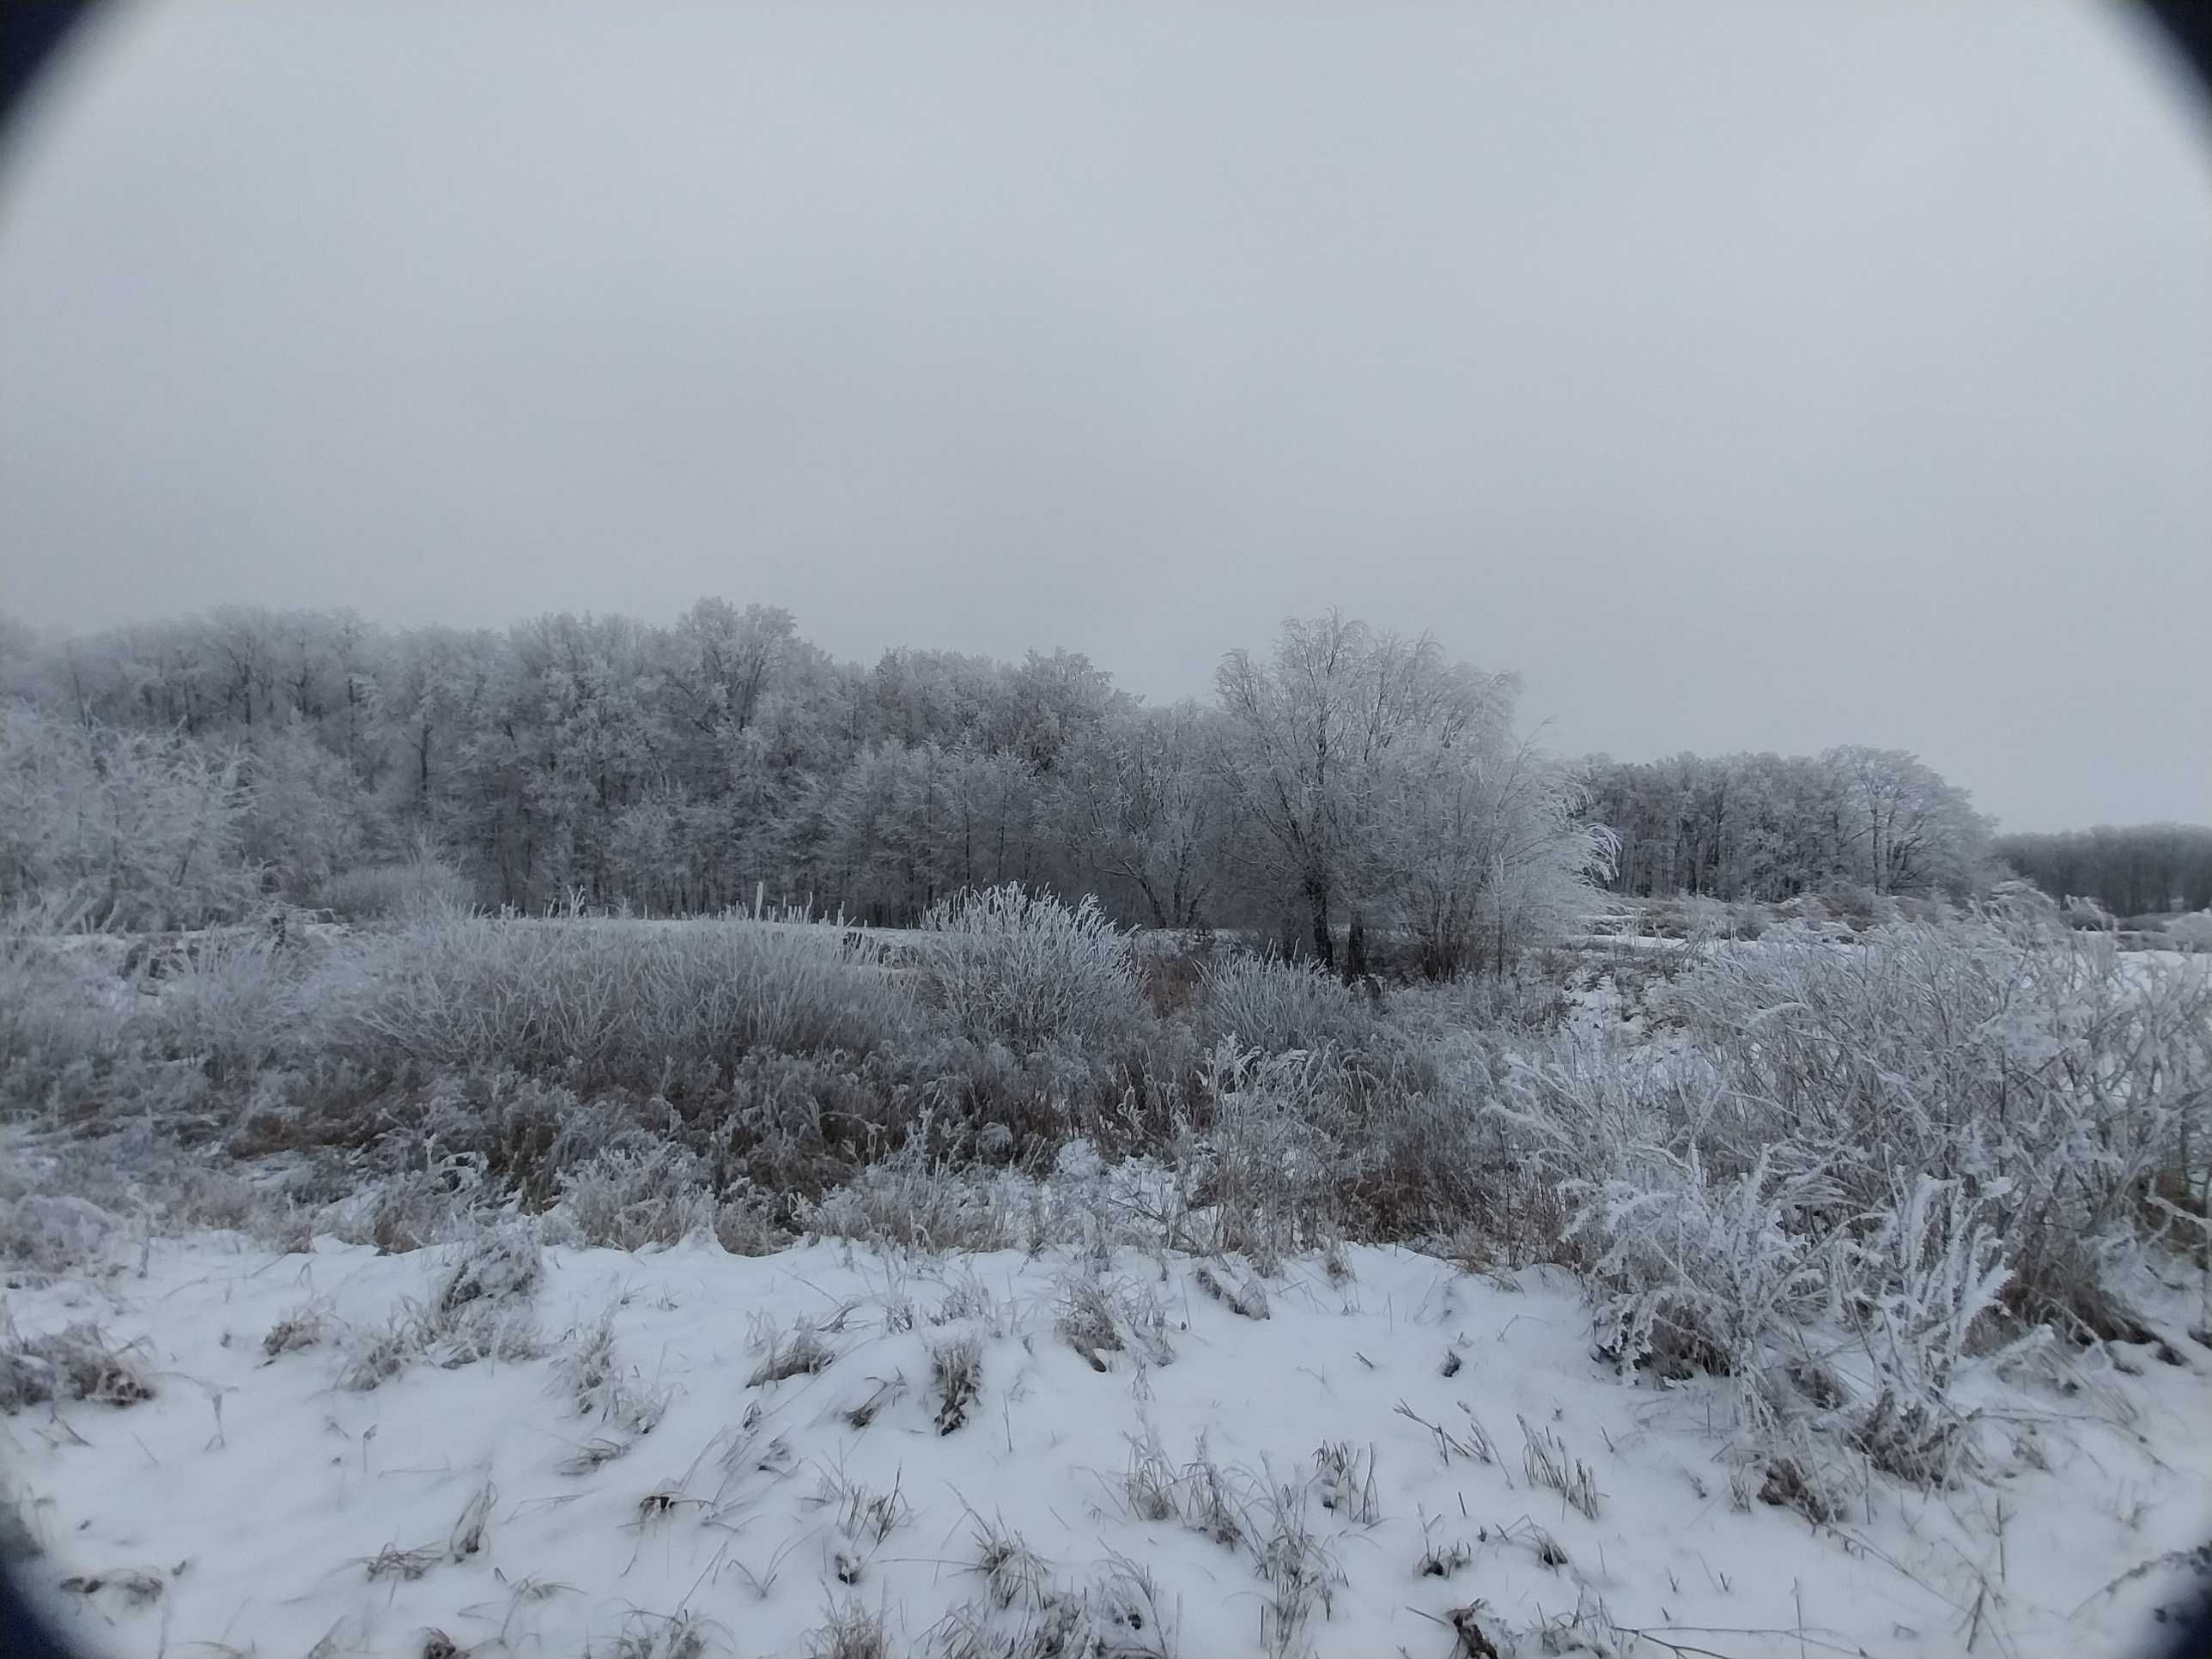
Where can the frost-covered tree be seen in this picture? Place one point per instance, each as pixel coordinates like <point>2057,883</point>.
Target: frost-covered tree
<point>298,823</point>
<point>1143,799</point>
<point>1909,829</point>
<point>119,828</point>
<point>1485,846</point>
<point>682,766</point>
<point>1321,734</point>
<point>1772,826</point>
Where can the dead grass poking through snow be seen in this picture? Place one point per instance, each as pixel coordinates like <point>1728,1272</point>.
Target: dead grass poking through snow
<point>1473,1443</point>
<point>590,1368</point>
<point>882,1392</point>
<point>1301,1572</point>
<point>375,1356</point>
<point>848,1631</point>
<point>1547,1463</point>
<point>307,1326</point>
<point>956,1376</point>
<point>680,1635</point>
<point>470,1533</point>
<point>801,1352</point>
<point>1013,1574</point>
<point>1345,1475</point>
<point>75,1363</point>
<point>1149,1487</point>
<point>862,1519</point>
<point>1209,1502</point>
<point>1440,1557</point>
<point>481,1307</point>
<point>1244,1297</point>
<point>1086,1320</point>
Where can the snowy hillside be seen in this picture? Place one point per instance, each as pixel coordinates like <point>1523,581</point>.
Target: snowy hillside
<point>1133,1467</point>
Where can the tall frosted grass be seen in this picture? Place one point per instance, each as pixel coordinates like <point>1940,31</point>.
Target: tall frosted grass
<point>609,1002</point>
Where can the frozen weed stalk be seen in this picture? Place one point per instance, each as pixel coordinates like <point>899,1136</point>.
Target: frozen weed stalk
<point>956,1374</point>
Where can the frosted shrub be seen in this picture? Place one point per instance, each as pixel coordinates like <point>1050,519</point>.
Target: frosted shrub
<point>236,1002</point>
<point>1697,1275</point>
<point>124,828</point>
<point>1935,1145</point>
<point>417,1206</point>
<point>614,1001</point>
<point>628,1197</point>
<point>52,1233</point>
<point>424,887</point>
<point>76,1362</point>
<point>1024,969</point>
<point>66,1022</point>
<point>1273,1005</point>
<point>1927,1277</point>
<point>909,1200</point>
<point>481,1308</point>
<point>1266,1178</point>
<point>2062,1085</point>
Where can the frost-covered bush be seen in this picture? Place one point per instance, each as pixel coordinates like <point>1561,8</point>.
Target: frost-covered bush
<point>1696,1275</point>
<point>1530,997</point>
<point>2063,1089</point>
<point>76,1363</point>
<point>914,1202</point>
<point>435,1198</point>
<point>234,1003</point>
<point>1929,1147</point>
<point>1024,970</point>
<point>422,888</point>
<point>609,1001</point>
<point>126,829</point>
<point>1275,1006</point>
<point>1263,1180</point>
<point>52,1233</point>
<point>67,1020</point>
<point>627,1197</point>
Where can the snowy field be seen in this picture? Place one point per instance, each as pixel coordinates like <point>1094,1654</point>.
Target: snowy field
<point>386,1291</point>
<point>1388,1443</point>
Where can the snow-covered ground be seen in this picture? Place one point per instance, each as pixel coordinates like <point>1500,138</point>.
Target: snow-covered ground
<point>1216,1484</point>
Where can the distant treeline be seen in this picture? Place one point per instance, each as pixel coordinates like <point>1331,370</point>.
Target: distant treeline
<point>2144,869</point>
<point>1771,827</point>
<point>1345,780</point>
<point>1347,777</point>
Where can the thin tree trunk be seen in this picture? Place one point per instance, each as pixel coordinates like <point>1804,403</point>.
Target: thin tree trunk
<point>1324,946</point>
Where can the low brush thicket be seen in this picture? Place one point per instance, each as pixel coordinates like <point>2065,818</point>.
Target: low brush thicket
<point>1842,1174</point>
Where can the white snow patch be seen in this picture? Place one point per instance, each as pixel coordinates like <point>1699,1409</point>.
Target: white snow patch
<point>258,1495</point>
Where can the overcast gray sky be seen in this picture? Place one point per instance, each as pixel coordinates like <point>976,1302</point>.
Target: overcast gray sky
<point>1747,376</point>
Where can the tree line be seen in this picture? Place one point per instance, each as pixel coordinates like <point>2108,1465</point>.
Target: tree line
<point>1771,827</point>
<point>1344,780</point>
<point>2148,869</point>
<point>1342,783</point>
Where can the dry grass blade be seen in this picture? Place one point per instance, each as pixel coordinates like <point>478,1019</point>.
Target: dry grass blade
<point>1547,1463</point>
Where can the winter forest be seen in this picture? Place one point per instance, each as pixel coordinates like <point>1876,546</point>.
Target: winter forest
<point>1340,778</point>
<point>650,1141</point>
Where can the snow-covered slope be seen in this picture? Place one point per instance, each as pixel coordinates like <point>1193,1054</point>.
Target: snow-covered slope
<point>1314,1479</point>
